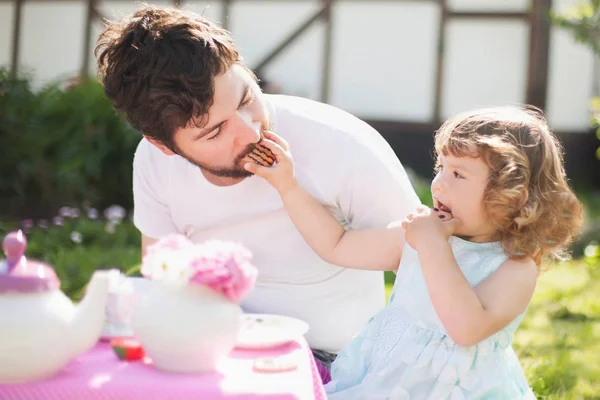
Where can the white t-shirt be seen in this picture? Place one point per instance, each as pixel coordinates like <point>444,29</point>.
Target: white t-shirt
<point>343,162</point>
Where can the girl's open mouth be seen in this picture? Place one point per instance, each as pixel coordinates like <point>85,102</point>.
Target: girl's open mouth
<point>442,207</point>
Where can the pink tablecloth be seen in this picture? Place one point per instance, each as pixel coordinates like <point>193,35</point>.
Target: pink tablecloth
<point>100,375</point>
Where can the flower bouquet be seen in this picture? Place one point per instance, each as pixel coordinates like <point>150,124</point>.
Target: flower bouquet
<point>190,318</point>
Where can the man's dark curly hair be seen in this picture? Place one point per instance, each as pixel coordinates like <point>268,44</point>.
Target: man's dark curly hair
<point>158,67</point>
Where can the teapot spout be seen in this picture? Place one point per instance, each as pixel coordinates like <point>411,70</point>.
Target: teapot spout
<point>90,314</point>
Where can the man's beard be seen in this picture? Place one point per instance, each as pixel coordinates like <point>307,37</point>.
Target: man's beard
<point>236,171</point>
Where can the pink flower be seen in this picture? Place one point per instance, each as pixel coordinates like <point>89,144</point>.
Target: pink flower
<point>222,266</point>
<point>173,241</point>
<point>226,268</point>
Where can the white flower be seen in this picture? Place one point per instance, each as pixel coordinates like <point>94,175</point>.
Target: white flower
<point>92,213</point>
<point>68,212</point>
<point>115,213</point>
<point>110,227</point>
<point>76,237</point>
<point>169,266</point>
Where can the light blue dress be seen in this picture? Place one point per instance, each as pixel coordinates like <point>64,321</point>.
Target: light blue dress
<point>404,352</point>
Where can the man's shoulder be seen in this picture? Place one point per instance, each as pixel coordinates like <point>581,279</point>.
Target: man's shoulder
<point>151,164</point>
<point>146,152</point>
<point>301,121</point>
<point>300,111</point>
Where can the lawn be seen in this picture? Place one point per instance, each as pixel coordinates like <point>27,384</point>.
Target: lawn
<point>558,342</point>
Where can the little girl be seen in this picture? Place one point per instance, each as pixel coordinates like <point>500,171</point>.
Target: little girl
<point>467,268</point>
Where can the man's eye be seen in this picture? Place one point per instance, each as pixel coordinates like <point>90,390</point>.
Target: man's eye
<point>248,100</point>
<point>216,133</point>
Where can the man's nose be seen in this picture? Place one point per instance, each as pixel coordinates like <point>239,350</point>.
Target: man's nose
<point>249,128</point>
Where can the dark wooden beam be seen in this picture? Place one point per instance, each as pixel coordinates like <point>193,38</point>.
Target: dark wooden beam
<point>327,52</point>
<point>488,15</point>
<point>225,8</point>
<point>290,39</point>
<point>98,16</point>
<point>440,57</point>
<point>16,37</point>
<point>87,38</point>
<point>539,49</point>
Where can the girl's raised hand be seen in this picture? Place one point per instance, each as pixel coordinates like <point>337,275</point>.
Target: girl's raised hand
<point>426,224</point>
<point>281,175</point>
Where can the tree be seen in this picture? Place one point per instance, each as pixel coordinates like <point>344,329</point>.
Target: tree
<point>583,21</point>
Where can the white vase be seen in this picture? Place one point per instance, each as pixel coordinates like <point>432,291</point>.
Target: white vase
<point>187,329</point>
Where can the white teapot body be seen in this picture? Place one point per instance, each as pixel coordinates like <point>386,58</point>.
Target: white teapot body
<point>186,329</point>
<point>42,332</point>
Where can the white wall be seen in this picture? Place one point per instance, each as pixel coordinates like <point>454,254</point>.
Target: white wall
<point>51,44</point>
<point>486,64</point>
<point>384,59</point>
<point>298,67</point>
<point>570,78</point>
<point>6,27</point>
<point>384,53</point>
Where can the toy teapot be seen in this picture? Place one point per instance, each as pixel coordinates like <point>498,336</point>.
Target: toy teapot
<point>41,330</point>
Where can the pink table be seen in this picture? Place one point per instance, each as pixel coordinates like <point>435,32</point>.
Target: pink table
<point>100,375</point>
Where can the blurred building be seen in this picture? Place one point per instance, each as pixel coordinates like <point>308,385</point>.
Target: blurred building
<point>402,65</point>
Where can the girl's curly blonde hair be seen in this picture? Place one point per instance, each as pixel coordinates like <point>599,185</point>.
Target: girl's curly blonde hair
<point>527,195</point>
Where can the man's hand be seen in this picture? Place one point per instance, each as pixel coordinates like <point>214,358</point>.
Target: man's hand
<point>281,175</point>
<point>426,224</point>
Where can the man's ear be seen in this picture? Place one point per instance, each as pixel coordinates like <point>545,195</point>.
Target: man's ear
<point>160,145</point>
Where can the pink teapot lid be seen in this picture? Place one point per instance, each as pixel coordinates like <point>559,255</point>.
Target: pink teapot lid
<point>19,274</point>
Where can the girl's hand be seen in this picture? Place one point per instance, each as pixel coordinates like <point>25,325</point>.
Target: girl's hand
<point>426,225</point>
<point>281,175</point>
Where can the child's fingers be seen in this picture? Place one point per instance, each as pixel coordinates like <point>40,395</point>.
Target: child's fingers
<point>422,208</point>
<point>277,139</point>
<point>256,169</point>
<point>275,148</point>
<point>451,225</point>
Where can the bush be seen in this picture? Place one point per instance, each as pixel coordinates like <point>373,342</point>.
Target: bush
<point>78,242</point>
<point>583,22</point>
<point>61,145</point>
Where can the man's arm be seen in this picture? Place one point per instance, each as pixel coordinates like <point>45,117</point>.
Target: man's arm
<point>151,213</point>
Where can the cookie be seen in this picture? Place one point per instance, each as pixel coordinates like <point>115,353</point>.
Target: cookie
<point>275,364</point>
<point>261,155</point>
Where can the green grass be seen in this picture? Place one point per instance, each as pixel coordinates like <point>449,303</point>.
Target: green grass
<point>558,342</point>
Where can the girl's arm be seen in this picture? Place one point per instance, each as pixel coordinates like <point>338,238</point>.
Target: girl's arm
<point>468,314</point>
<point>375,249</point>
